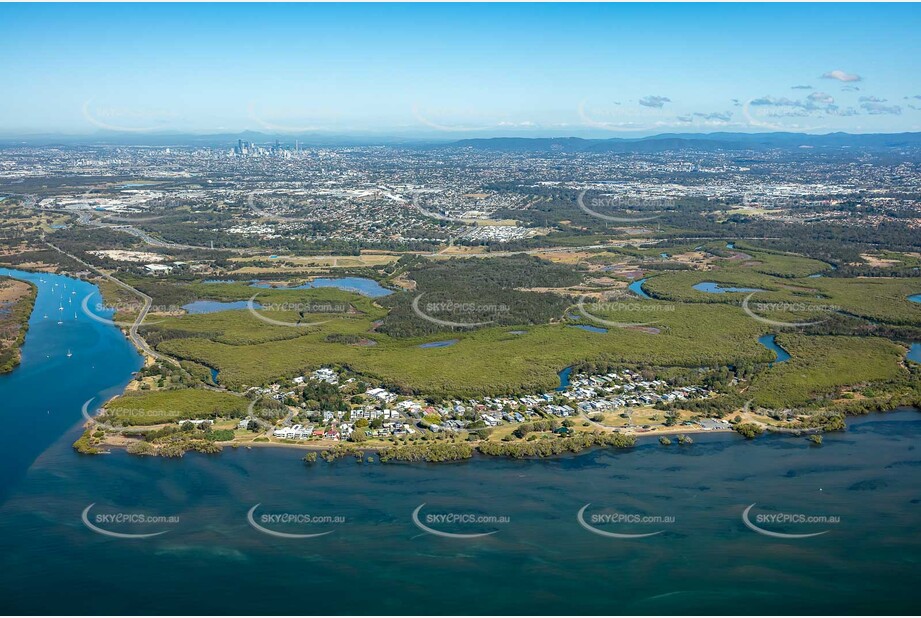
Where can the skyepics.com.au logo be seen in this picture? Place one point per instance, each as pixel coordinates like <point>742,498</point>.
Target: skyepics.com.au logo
<point>639,308</point>
<point>434,215</point>
<point>138,417</point>
<point>293,119</point>
<point>448,312</point>
<point>455,119</point>
<point>258,201</point>
<point>458,525</point>
<point>755,311</point>
<point>772,524</point>
<point>621,118</point>
<point>128,524</point>
<point>617,525</point>
<point>282,524</point>
<point>619,204</point>
<point>126,119</point>
<point>122,221</point>
<point>97,311</point>
<point>259,310</point>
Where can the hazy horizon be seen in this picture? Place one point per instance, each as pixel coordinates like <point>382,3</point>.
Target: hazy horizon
<point>453,71</point>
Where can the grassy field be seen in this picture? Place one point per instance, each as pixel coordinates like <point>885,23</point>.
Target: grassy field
<point>153,407</point>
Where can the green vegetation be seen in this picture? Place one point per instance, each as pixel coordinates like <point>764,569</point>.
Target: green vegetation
<point>848,363</point>
<point>885,300</point>
<point>821,366</point>
<point>749,430</point>
<point>14,320</point>
<point>429,452</point>
<point>548,447</point>
<point>88,444</point>
<point>156,407</point>
<point>477,290</point>
<point>141,447</point>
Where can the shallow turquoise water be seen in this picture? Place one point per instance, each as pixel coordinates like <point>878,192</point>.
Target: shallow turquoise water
<point>637,288</point>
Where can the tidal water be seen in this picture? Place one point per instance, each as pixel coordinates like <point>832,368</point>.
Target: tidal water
<point>41,399</point>
<point>360,285</point>
<point>208,558</point>
<point>564,375</point>
<point>768,342</point>
<point>914,352</point>
<point>438,344</point>
<point>637,288</point>
<point>718,288</point>
<point>214,306</point>
<point>589,328</point>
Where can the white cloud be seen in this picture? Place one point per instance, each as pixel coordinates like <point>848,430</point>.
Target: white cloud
<point>876,108</point>
<point>842,76</point>
<point>723,116</point>
<point>821,98</point>
<point>654,101</point>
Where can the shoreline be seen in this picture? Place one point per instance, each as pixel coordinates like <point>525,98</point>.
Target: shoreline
<point>91,424</point>
<point>21,314</point>
<point>353,447</point>
<point>349,449</point>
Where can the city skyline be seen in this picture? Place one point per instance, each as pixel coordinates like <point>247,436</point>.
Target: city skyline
<point>455,71</point>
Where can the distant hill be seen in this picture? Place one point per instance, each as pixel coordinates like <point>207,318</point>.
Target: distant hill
<point>666,142</point>
<point>699,142</point>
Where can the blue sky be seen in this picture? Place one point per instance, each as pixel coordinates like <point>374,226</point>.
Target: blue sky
<point>460,70</point>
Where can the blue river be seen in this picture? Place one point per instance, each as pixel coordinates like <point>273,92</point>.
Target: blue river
<point>768,342</point>
<point>637,288</point>
<point>360,285</point>
<point>718,288</point>
<point>209,557</point>
<point>43,396</point>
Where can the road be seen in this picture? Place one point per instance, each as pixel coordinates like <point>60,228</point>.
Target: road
<point>133,334</point>
<point>85,217</point>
